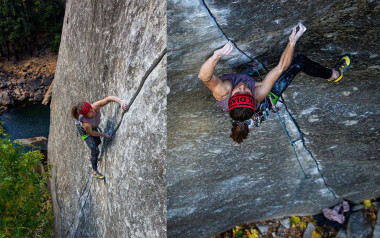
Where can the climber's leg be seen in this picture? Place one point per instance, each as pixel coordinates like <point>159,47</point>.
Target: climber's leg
<point>93,143</point>
<point>341,67</point>
<point>302,63</point>
<point>286,78</point>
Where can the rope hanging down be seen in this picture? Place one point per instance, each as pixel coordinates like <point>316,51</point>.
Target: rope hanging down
<point>305,176</point>
<point>105,142</point>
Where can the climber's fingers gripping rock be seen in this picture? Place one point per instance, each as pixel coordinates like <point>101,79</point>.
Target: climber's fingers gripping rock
<point>124,106</point>
<point>226,50</point>
<point>107,136</point>
<point>296,35</point>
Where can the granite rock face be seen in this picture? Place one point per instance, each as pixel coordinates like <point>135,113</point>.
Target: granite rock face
<point>333,129</point>
<point>261,29</point>
<point>106,48</point>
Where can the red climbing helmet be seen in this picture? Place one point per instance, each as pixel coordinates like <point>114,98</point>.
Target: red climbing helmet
<point>85,109</point>
<point>241,100</point>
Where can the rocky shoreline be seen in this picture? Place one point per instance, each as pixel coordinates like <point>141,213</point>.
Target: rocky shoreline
<point>362,220</point>
<point>29,80</point>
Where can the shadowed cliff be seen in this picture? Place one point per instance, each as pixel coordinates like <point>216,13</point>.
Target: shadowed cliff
<point>319,149</point>
<point>106,48</point>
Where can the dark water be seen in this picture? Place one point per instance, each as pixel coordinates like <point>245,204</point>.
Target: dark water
<point>25,122</point>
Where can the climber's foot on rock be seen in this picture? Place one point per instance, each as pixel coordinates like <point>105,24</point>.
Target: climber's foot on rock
<point>342,66</point>
<point>98,175</point>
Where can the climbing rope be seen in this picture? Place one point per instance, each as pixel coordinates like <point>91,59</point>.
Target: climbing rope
<point>305,175</point>
<point>106,142</point>
<point>292,144</point>
<point>257,118</point>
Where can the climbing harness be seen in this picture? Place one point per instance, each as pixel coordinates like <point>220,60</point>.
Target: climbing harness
<point>103,151</point>
<point>264,107</point>
<point>81,131</point>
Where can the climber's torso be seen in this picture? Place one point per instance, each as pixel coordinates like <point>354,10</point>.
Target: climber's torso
<point>234,83</point>
<point>93,120</point>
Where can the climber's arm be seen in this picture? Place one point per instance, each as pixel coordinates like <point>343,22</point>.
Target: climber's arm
<point>97,105</point>
<point>263,88</point>
<point>206,73</point>
<point>88,128</point>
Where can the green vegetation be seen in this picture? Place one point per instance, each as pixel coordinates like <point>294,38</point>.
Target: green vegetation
<point>25,206</point>
<point>22,22</point>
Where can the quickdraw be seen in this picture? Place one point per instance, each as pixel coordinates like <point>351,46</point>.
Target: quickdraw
<point>269,103</point>
<point>266,106</point>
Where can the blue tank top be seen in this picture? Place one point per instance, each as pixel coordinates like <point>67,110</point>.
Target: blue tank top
<point>235,79</point>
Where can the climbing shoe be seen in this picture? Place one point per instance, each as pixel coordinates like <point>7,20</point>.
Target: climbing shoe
<point>342,66</point>
<point>98,175</point>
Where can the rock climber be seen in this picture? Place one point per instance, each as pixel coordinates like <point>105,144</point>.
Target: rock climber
<point>241,96</point>
<point>88,119</point>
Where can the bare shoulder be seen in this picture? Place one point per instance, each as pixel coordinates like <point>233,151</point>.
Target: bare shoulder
<point>220,88</point>
<point>96,107</point>
<point>224,90</point>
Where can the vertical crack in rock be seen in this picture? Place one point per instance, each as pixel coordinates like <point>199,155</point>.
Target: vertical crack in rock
<point>299,144</point>
<point>118,42</point>
<point>146,75</point>
<point>77,218</point>
<point>82,203</point>
<point>221,32</point>
<point>327,115</point>
<point>308,163</point>
<point>59,204</point>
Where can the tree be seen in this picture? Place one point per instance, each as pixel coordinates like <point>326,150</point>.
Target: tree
<point>25,205</point>
<point>23,21</point>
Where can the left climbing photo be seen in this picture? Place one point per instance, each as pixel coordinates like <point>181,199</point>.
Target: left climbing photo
<point>107,135</point>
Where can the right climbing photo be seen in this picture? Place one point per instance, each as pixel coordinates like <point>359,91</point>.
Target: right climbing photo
<point>273,118</point>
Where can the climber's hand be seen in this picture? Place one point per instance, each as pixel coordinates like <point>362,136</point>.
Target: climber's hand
<point>296,35</point>
<point>226,50</point>
<point>124,106</point>
<point>108,137</point>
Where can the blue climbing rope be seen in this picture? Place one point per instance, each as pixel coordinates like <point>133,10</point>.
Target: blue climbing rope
<point>305,176</point>
<point>292,144</point>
